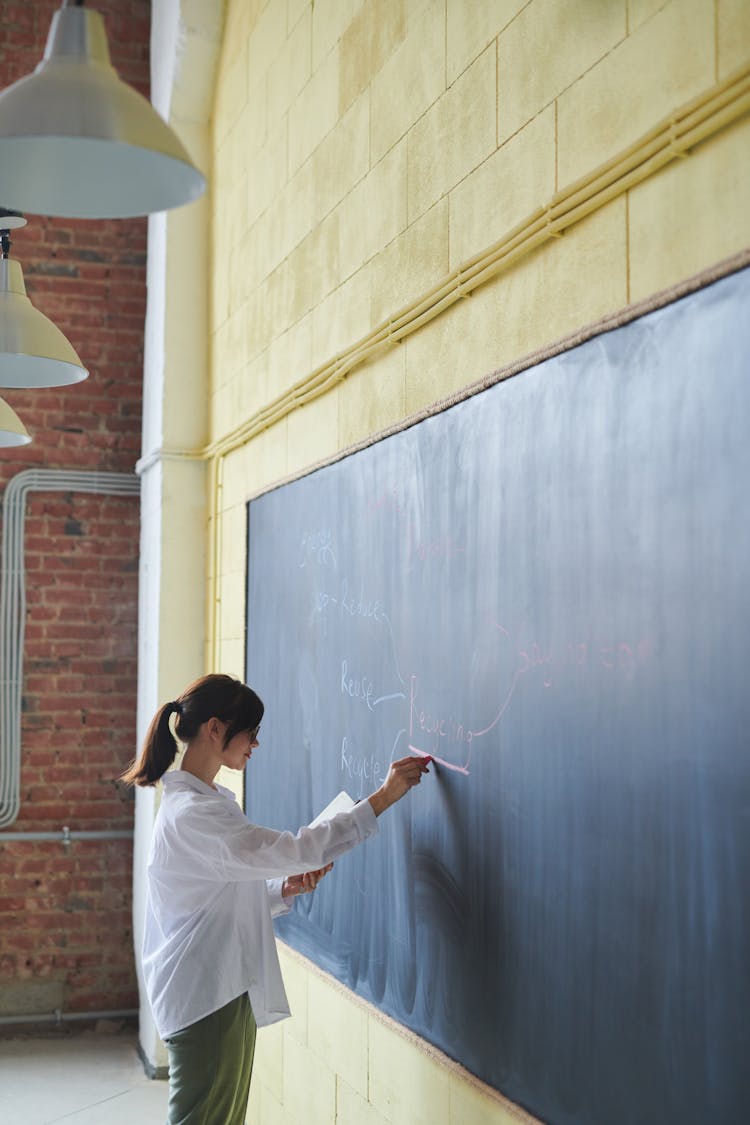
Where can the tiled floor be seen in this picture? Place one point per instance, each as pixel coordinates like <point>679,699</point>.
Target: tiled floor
<point>82,1078</point>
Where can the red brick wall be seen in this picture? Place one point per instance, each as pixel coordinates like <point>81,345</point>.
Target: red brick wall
<point>65,915</point>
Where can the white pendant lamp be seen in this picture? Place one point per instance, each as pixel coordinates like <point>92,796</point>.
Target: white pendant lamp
<point>12,429</point>
<point>33,351</point>
<point>76,141</point>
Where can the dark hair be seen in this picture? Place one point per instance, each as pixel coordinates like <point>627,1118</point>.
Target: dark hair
<point>213,696</point>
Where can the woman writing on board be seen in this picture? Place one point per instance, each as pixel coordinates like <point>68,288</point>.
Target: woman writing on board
<point>214,882</point>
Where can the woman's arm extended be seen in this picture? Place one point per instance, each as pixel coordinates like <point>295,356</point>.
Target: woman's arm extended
<point>402,776</point>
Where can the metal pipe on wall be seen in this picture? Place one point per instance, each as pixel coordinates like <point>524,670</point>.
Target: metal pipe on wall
<point>13,606</point>
<point>57,1017</point>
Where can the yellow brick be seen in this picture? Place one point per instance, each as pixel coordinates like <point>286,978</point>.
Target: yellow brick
<point>236,214</point>
<point>227,346</point>
<point>217,347</point>
<point>262,461</point>
<point>258,320</point>
<point>245,260</point>
<point>470,1103</point>
<point>231,659</point>
<point>454,136</point>
<point>291,69</point>
<point>733,35</point>
<point>296,10</point>
<point>268,173</point>
<point>411,80</point>
<point>353,1109</point>
<point>570,282</point>
<point>573,281</point>
<point>231,605</point>
<point>242,396</point>
<point>219,291</point>
<point>374,213</point>
<point>372,397</point>
<point>268,1067</point>
<point>268,309</point>
<point>371,37</point>
<point>517,179</point>
<point>341,318</point>
<point>338,1032</point>
<point>290,218</point>
<point>406,1084</point>
<point>667,61</point>
<point>411,264</point>
<point>330,20</point>
<point>314,112</point>
<point>289,355</point>
<point>313,269</point>
<point>449,352</point>
<point>312,433</point>
<point>232,155</point>
<point>691,214</point>
<point>309,1089</point>
<point>641,10</point>
<point>270,1111</point>
<point>266,40</point>
<point>342,158</point>
<point>472,26</point>
<point>231,93</point>
<point>233,546</point>
<point>546,48</point>
<point>252,125</point>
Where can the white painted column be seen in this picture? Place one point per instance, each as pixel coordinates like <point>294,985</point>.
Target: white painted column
<point>185,42</point>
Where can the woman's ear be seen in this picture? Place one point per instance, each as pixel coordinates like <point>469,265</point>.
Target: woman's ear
<point>215,729</point>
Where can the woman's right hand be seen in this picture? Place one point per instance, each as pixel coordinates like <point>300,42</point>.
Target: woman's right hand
<point>403,775</point>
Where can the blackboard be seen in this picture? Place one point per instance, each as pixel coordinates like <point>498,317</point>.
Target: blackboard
<point>546,586</point>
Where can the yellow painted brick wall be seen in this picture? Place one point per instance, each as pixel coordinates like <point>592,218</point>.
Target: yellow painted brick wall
<point>363,150</point>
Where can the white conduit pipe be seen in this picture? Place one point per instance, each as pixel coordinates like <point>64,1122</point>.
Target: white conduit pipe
<point>13,605</point>
<point>57,1017</point>
<point>65,836</point>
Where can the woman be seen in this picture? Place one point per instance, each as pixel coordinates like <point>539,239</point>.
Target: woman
<point>214,882</point>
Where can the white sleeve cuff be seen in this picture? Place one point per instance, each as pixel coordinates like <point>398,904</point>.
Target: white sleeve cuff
<point>279,905</point>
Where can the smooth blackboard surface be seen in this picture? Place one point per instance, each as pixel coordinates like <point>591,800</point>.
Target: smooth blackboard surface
<point>546,586</point>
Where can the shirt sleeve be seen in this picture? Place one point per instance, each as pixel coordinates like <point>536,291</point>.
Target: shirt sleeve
<point>247,851</point>
<point>279,905</point>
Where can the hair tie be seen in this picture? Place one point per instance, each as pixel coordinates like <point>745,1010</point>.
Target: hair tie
<point>175,706</point>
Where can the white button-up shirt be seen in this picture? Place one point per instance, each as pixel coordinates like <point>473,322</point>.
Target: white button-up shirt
<point>214,882</point>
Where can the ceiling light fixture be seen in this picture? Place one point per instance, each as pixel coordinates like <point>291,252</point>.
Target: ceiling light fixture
<point>12,429</point>
<point>76,141</point>
<point>33,351</point>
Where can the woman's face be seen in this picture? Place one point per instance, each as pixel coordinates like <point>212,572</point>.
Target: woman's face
<point>238,751</point>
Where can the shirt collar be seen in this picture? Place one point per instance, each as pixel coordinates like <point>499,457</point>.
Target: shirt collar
<point>183,779</point>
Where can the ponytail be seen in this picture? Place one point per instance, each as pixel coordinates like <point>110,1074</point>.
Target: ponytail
<point>214,695</point>
<point>159,750</point>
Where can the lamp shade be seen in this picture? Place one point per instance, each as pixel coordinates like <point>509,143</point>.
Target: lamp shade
<point>78,142</point>
<point>33,351</point>
<point>12,429</point>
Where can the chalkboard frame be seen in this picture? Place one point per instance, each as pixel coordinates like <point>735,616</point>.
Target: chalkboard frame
<point>529,362</point>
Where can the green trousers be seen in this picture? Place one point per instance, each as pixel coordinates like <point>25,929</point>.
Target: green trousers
<point>210,1063</point>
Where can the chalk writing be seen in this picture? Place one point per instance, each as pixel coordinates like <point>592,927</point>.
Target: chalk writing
<point>356,687</point>
<point>419,548</point>
<point>360,767</point>
<point>618,656</point>
<point>316,549</point>
<point>432,733</point>
<point>360,606</point>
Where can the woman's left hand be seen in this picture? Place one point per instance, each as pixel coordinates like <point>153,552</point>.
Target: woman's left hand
<point>303,884</point>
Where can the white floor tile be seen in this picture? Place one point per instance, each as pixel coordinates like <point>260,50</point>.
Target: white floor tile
<point>83,1079</point>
